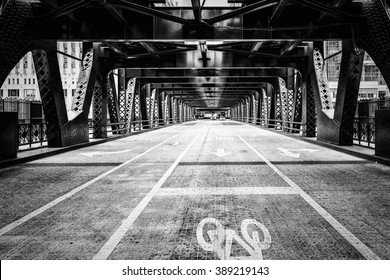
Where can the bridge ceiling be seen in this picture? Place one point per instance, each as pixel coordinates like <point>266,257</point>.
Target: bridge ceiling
<point>197,49</point>
<point>126,19</point>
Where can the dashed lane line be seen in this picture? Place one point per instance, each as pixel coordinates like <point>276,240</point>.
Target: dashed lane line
<point>114,240</point>
<point>349,236</point>
<point>40,210</point>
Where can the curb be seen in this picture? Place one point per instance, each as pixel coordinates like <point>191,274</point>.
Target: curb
<point>15,161</point>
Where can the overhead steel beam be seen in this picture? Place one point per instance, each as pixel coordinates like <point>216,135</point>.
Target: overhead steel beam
<point>197,10</point>
<point>115,13</point>
<point>245,52</point>
<point>315,5</point>
<point>126,4</point>
<point>160,53</point>
<point>114,48</point>
<point>278,10</point>
<point>244,10</point>
<point>255,47</point>
<point>149,48</point>
<point>289,47</point>
<point>66,9</point>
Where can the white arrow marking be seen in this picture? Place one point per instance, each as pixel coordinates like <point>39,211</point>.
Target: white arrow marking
<point>175,144</point>
<point>220,153</point>
<point>91,154</point>
<point>289,152</point>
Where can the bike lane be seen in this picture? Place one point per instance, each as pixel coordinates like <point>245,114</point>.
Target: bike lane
<point>223,202</point>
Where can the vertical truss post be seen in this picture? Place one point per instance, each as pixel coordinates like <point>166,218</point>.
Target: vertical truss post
<point>309,115</point>
<point>348,91</point>
<point>155,108</point>
<point>99,109</point>
<point>281,102</point>
<point>297,109</point>
<point>144,105</point>
<point>335,125</point>
<point>51,91</point>
<point>122,101</point>
<point>112,99</point>
<point>137,107</point>
<point>255,116</point>
<point>161,108</point>
<point>168,111</point>
<point>130,97</point>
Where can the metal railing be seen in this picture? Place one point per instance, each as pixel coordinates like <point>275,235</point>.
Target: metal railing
<point>364,132</point>
<point>121,128</point>
<point>277,124</point>
<point>32,135</point>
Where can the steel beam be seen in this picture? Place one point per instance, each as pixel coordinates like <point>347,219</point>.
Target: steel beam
<point>242,11</point>
<point>125,4</point>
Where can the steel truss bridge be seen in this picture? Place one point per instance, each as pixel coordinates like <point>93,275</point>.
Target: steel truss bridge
<point>261,60</point>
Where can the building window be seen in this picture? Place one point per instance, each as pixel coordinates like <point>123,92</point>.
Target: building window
<point>34,81</point>
<point>25,81</point>
<point>65,45</point>
<point>73,48</point>
<point>29,93</point>
<point>73,64</point>
<point>17,81</point>
<point>65,62</point>
<point>14,92</point>
<point>371,73</point>
<point>9,81</point>
<point>25,62</point>
<point>73,92</point>
<point>65,93</point>
<point>1,93</point>
<point>13,81</point>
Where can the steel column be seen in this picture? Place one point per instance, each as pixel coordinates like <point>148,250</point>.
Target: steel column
<point>336,125</point>
<point>112,99</point>
<point>51,91</point>
<point>99,109</point>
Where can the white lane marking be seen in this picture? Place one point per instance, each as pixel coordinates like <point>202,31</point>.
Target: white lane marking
<point>91,154</point>
<point>289,152</point>
<point>222,138</point>
<point>251,244</point>
<point>220,153</point>
<point>31,215</point>
<point>225,191</point>
<point>349,236</point>
<point>114,240</point>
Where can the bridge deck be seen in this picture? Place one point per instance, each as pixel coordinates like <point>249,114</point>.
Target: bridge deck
<point>200,190</point>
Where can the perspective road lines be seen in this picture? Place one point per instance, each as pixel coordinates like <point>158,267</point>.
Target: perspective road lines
<point>349,236</point>
<point>110,245</point>
<point>40,210</point>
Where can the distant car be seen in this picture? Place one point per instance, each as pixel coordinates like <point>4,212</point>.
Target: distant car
<point>222,118</point>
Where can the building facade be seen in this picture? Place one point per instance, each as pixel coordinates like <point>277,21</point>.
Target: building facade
<point>372,84</point>
<point>22,83</point>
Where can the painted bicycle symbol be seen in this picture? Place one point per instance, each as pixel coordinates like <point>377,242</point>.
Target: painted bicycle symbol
<point>251,244</point>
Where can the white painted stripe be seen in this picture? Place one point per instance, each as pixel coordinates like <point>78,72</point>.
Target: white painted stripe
<point>114,240</point>
<point>31,215</point>
<point>349,236</point>
<point>225,191</point>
